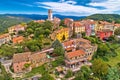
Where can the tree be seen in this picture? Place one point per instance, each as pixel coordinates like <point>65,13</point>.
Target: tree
<point>117,31</point>
<point>63,38</point>
<point>46,77</point>
<point>99,68</point>
<point>56,44</point>
<point>47,32</point>
<point>48,25</point>
<point>69,74</point>
<point>113,74</point>
<point>102,51</point>
<point>58,48</point>
<point>27,65</point>
<point>33,45</point>
<point>7,50</point>
<point>83,74</point>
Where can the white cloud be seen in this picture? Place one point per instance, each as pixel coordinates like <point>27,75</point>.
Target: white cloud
<point>29,5</point>
<point>109,5</point>
<point>69,7</point>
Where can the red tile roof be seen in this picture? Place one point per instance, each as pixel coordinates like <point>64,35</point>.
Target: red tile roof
<point>18,39</point>
<point>117,25</point>
<point>68,43</point>
<point>75,54</point>
<point>61,30</point>
<point>4,35</point>
<point>77,24</point>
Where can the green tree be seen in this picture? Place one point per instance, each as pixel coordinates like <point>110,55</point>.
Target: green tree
<point>69,74</point>
<point>117,31</point>
<point>48,25</point>
<point>47,32</point>
<point>27,65</point>
<point>56,44</point>
<point>83,74</point>
<point>33,45</point>
<point>46,77</point>
<point>63,38</point>
<point>99,68</point>
<point>7,50</point>
<point>113,74</point>
<point>58,48</point>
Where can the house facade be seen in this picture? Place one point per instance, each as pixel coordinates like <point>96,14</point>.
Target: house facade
<point>74,60</point>
<point>61,34</point>
<point>20,61</point>
<point>104,34</point>
<point>69,23</point>
<point>56,23</point>
<point>78,53</point>
<point>15,29</point>
<point>69,45</point>
<point>78,27</point>
<point>4,38</point>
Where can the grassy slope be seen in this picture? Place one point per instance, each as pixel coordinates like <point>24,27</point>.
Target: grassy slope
<point>7,21</point>
<point>114,60</point>
<point>106,17</point>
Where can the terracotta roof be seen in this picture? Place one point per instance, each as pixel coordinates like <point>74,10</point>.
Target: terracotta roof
<point>18,39</point>
<point>88,21</point>
<point>68,43</point>
<point>117,25</point>
<point>105,30</point>
<point>4,35</point>
<point>85,46</point>
<point>83,40</point>
<point>56,19</point>
<point>61,30</point>
<point>104,22</point>
<point>70,48</point>
<point>67,20</point>
<point>75,54</point>
<point>37,56</point>
<point>77,24</point>
<point>39,21</point>
<point>21,57</point>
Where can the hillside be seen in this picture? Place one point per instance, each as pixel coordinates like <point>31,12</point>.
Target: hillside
<point>106,17</point>
<point>38,17</point>
<point>7,21</point>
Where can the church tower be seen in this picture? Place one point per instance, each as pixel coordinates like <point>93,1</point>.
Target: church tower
<point>50,16</point>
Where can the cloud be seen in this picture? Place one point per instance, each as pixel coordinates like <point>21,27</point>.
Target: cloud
<point>109,5</point>
<point>29,5</point>
<point>71,7</point>
<point>71,2</point>
<point>65,8</point>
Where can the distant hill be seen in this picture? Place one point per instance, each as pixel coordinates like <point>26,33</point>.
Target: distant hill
<point>106,17</point>
<point>38,17</point>
<point>7,21</point>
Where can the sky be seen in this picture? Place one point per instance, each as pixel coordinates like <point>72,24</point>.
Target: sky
<point>62,7</point>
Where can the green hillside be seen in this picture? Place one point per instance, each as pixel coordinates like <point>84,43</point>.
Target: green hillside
<point>106,17</point>
<point>7,21</point>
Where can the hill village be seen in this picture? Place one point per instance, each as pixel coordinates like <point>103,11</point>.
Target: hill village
<point>66,39</point>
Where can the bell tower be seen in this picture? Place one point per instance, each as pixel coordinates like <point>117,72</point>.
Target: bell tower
<point>50,16</point>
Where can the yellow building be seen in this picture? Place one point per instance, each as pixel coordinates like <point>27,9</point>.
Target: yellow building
<point>61,35</point>
<point>78,27</point>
